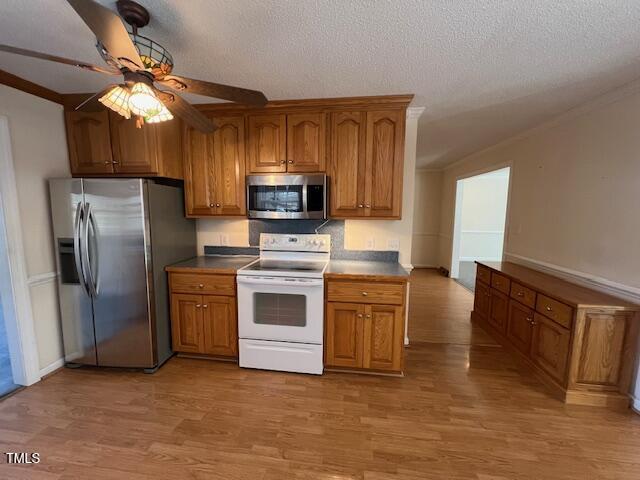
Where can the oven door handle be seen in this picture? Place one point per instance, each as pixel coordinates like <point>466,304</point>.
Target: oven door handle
<point>281,281</point>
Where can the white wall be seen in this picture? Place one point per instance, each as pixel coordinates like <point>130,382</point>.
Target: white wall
<point>426,218</point>
<point>39,149</point>
<point>356,231</point>
<point>484,205</point>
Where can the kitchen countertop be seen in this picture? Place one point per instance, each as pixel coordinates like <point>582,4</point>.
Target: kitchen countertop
<point>228,264</point>
<point>362,269</point>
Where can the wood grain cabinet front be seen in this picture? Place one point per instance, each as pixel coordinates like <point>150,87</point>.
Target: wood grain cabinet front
<point>204,314</point>
<point>366,163</point>
<point>214,169</point>
<point>361,334</point>
<point>581,343</point>
<point>103,143</point>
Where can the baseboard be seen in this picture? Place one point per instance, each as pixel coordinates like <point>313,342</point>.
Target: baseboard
<point>407,266</point>
<point>635,404</point>
<point>52,367</point>
<point>424,265</point>
<point>626,292</point>
<point>479,259</point>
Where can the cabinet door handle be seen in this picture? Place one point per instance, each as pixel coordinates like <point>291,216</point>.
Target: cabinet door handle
<point>549,309</point>
<point>359,315</point>
<point>290,161</point>
<point>217,204</point>
<point>364,294</point>
<point>200,285</point>
<point>108,162</point>
<point>520,294</point>
<point>206,305</point>
<point>211,205</point>
<point>115,162</point>
<point>361,206</point>
<point>534,323</point>
<point>367,316</point>
<point>283,162</point>
<point>367,206</point>
<point>198,305</point>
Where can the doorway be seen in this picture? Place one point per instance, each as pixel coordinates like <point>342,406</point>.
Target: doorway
<point>7,382</point>
<point>479,225</point>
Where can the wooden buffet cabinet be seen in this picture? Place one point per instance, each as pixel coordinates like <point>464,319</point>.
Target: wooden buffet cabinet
<point>579,342</point>
<point>364,324</point>
<point>357,141</point>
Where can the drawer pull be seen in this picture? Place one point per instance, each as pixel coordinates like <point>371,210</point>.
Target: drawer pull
<point>359,315</point>
<point>361,206</point>
<point>283,162</point>
<point>549,309</point>
<point>367,316</point>
<point>200,285</point>
<point>198,305</point>
<point>519,294</point>
<point>364,294</point>
<point>206,305</point>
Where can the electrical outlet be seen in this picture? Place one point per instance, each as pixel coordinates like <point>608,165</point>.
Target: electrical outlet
<point>370,243</point>
<point>393,244</point>
<point>224,239</point>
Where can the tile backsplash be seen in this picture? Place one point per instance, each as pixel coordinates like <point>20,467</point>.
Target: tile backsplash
<point>335,228</point>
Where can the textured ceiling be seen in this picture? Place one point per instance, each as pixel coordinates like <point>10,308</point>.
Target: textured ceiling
<point>484,69</point>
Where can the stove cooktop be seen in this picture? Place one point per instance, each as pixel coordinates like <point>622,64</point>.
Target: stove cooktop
<point>284,266</point>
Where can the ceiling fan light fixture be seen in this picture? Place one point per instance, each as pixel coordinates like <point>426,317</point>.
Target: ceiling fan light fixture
<point>155,58</point>
<point>163,116</point>
<point>117,99</point>
<point>143,101</point>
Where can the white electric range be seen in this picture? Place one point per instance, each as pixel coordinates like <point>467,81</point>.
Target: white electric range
<point>281,304</point>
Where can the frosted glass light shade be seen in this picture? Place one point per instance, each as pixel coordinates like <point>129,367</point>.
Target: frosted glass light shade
<point>117,99</point>
<point>143,101</point>
<point>163,116</point>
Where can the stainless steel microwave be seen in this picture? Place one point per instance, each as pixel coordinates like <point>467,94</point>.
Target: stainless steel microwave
<point>283,196</point>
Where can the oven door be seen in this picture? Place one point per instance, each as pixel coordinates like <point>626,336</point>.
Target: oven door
<point>286,196</point>
<point>281,309</point>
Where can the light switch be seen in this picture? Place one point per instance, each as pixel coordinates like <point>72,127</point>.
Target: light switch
<point>393,244</point>
<point>370,243</point>
<point>224,239</point>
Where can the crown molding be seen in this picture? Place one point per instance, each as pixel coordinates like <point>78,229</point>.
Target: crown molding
<point>19,83</point>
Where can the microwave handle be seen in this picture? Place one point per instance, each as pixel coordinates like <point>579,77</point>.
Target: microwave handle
<point>284,282</point>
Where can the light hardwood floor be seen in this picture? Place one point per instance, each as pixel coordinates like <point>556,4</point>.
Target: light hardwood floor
<point>463,411</point>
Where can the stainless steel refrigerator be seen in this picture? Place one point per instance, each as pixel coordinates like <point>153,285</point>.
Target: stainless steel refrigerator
<point>113,238</point>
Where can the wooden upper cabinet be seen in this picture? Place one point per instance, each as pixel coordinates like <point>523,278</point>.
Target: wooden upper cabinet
<point>215,169</point>
<point>384,162</point>
<point>366,163</point>
<point>229,160</point>
<point>347,165</point>
<point>89,142</point>
<point>134,149</point>
<point>267,143</point>
<point>169,148</point>
<point>306,142</point>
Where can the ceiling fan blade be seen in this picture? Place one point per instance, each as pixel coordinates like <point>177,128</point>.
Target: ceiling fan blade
<point>54,58</point>
<point>110,32</point>
<point>216,90</point>
<point>91,103</point>
<point>183,109</point>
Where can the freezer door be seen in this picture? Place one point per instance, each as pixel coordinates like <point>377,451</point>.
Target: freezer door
<point>76,313</point>
<point>115,239</point>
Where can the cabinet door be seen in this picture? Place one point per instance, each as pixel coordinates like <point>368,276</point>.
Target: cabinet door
<point>89,142</point>
<point>169,148</point>
<point>550,347</point>
<point>344,334</point>
<point>220,326</point>
<point>267,143</point>
<point>499,311</point>
<point>520,326</point>
<point>229,160</point>
<point>199,173</point>
<point>134,149</point>
<point>383,337</point>
<point>384,158</point>
<point>186,323</point>
<point>482,300</point>
<point>306,142</point>
<point>347,164</point>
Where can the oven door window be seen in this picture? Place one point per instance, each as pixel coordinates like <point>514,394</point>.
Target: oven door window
<point>275,198</point>
<point>281,309</point>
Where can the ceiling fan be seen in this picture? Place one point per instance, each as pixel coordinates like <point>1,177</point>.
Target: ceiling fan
<point>142,62</point>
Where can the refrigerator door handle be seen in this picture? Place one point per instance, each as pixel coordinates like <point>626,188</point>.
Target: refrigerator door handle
<point>77,229</point>
<point>92,269</point>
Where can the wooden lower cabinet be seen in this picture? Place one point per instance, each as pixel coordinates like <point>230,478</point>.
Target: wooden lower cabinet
<point>581,343</point>
<point>361,335</point>
<point>203,324</point>
<point>550,346</point>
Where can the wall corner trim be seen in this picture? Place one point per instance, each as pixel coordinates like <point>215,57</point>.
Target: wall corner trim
<point>626,292</point>
<point>415,112</point>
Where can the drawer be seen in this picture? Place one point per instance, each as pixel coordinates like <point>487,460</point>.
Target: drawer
<point>365,292</point>
<point>203,283</point>
<point>555,310</point>
<point>483,274</point>
<point>500,282</point>
<point>524,295</point>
